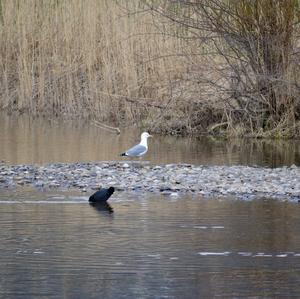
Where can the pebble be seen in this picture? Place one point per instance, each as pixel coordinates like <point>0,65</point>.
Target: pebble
<point>239,181</point>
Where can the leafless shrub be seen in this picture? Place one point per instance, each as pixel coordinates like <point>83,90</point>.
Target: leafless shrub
<point>253,47</point>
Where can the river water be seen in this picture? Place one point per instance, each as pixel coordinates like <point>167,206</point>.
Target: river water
<point>24,141</point>
<point>56,245</point>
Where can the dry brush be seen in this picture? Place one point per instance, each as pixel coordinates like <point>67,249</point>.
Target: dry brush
<point>171,66</point>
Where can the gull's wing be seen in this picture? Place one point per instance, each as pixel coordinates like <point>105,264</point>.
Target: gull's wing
<point>137,150</point>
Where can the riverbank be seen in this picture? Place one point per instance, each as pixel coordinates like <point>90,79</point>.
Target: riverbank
<point>170,179</point>
<point>125,68</point>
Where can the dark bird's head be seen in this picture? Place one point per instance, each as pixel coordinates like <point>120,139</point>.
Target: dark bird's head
<point>111,190</point>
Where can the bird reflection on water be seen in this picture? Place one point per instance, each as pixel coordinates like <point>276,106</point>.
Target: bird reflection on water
<point>102,207</point>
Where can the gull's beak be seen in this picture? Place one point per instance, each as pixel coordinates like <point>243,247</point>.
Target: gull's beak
<point>150,135</point>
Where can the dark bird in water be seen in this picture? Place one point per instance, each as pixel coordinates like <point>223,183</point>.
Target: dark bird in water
<point>102,195</point>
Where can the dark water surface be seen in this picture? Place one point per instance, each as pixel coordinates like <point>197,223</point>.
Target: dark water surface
<point>55,245</point>
<point>25,141</point>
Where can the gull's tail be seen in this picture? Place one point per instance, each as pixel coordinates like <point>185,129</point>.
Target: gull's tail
<point>123,154</point>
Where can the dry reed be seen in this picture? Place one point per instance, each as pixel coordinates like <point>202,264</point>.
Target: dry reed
<point>89,59</point>
<point>98,60</point>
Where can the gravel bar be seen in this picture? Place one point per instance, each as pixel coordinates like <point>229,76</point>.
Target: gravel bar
<point>171,179</point>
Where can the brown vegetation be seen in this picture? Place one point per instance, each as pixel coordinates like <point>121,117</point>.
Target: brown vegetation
<point>170,66</point>
<point>257,46</point>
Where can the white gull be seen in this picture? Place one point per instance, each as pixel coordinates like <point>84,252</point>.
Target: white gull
<point>139,149</point>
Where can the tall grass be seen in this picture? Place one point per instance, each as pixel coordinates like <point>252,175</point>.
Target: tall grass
<point>88,59</point>
<point>115,61</point>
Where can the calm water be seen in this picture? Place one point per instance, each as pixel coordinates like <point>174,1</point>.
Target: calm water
<point>58,246</point>
<point>55,245</point>
<point>23,141</point>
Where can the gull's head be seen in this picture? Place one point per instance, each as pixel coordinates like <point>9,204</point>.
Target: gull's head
<point>145,135</point>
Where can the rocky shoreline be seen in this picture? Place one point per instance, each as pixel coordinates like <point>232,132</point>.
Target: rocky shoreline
<point>171,179</point>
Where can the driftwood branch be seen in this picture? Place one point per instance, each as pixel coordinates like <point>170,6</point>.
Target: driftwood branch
<point>106,127</point>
